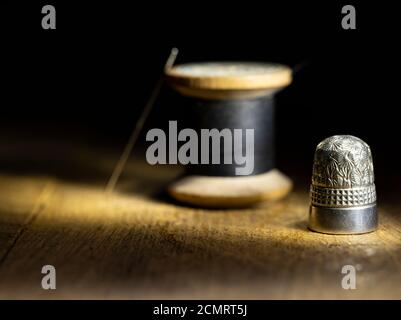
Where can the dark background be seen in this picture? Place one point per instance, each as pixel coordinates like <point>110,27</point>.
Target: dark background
<point>89,79</point>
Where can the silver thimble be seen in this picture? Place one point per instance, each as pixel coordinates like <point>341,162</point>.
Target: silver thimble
<point>343,194</point>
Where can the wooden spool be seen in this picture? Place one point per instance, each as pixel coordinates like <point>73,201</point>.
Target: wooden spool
<point>229,81</point>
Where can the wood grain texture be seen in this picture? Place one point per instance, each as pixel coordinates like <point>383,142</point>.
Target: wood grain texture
<point>138,243</point>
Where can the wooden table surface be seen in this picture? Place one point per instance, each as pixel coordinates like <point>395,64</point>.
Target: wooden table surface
<point>139,244</point>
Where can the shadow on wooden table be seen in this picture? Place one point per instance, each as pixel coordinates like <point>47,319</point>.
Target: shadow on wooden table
<point>137,243</point>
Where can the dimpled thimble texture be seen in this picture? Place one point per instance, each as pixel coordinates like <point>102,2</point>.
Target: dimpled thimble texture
<point>343,194</point>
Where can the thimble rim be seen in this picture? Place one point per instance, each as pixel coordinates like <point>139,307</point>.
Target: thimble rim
<point>343,221</point>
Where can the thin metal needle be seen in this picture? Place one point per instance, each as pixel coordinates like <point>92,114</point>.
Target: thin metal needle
<point>111,184</point>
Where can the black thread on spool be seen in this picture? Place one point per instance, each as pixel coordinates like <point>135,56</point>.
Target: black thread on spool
<point>257,114</point>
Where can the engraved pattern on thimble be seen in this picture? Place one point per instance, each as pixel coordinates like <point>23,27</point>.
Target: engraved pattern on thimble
<point>342,173</point>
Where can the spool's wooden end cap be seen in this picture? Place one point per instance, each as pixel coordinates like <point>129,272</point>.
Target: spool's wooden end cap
<point>231,192</point>
<point>228,79</point>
